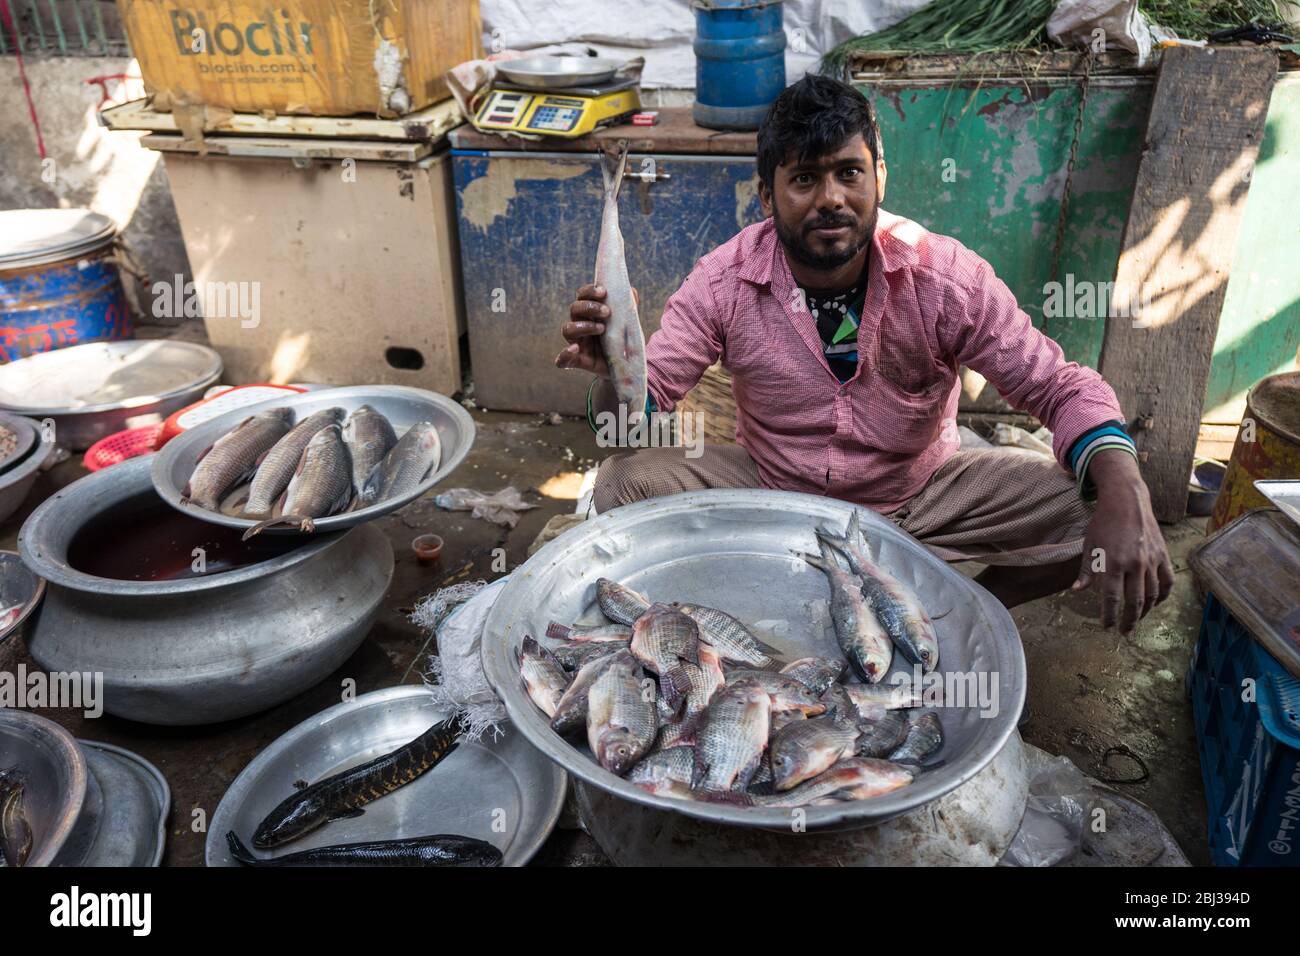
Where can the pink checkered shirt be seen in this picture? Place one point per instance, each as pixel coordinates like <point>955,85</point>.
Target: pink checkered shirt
<point>932,305</point>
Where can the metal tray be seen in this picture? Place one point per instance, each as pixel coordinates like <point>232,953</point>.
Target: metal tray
<point>99,388</point>
<point>123,821</point>
<point>557,72</point>
<point>730,550</point>
<point>1285,495</point>
<point>404,406</point>
<point>504,780</point>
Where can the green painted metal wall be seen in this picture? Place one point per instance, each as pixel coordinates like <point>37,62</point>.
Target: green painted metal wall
<point>985,162</point>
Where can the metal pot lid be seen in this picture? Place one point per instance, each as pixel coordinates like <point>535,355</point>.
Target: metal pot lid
<point>558,72</point>
<point>31,237</point>
<point>464,795</point>
<point>103,376</point>
<point>123,822</point>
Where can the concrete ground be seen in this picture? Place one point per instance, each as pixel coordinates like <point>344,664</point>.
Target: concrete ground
<point>1089,689</point>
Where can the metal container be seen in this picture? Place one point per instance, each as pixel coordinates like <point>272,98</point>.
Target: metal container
<point>403,406</point>
<point>731,550</point>
<point>17,478</point>
<point>94,390</point>
<point>500,789</point>
<point>123,819</point>
<point>59,281</point>
<point>739,61</point>
<point>971,826</point>
<point>192,649</point>
<point>19,589</point>
<point>557,72</point>
<point>1268,446</point>
<point>57,779</point>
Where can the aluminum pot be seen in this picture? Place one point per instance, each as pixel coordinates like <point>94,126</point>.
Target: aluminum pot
<point>262,623</point>
<point>56,779</point>
<point>970,826</point>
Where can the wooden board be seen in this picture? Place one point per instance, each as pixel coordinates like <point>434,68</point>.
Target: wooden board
<point>1202,139</point>
<point>428,125</point>
<point>675,132</point>
<point>284,147</point>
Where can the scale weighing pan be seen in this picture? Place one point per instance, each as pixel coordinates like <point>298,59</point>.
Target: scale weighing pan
<point>558,72</point>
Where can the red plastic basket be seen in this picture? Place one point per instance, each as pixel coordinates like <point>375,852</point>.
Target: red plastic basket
<point>120,446</point>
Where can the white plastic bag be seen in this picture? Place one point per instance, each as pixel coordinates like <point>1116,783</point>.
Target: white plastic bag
<point>1101,23</point>
<point>501,508</point>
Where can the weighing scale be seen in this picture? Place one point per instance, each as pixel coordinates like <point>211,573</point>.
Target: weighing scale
<point>568,112</point>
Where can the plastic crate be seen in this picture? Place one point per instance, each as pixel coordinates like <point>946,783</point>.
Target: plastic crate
<point>1250,750</point>
<point>120,446</point>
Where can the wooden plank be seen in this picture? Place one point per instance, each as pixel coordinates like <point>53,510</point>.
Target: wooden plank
<point>283,147</point>
<point>1202,139</point>
<point>871,64</point>
<point>427,125</point>
<point>675,132</point>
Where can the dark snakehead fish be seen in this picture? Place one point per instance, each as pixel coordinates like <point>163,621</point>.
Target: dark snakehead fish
<point>234,456</point>
<point>416,455</point>
<point>277,468</point>
<point>443,849</point>
<point>321,485</point>
<point>345,794</point>
<point>15,831</point>
<point>618,603</point>
<point>369,437</point>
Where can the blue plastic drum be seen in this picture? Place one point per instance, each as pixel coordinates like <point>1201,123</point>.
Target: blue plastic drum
<point>739,61</point>
<point>59,281</point>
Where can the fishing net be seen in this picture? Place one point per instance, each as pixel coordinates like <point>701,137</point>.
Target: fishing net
<point>455,616</point>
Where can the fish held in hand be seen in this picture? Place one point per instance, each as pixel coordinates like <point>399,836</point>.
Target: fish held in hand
<point>407,465</point>
<point>623,340</point>
<point>278,467</point>
<point>543,677</point>
<point>369,437</point>
<point>346,794</point>
<point>321,486</point>
<point>621,719</point>
<point>234,456</point>
<point>620,603</point>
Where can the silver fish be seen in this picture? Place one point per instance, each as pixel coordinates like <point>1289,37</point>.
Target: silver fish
<point>674,765</point>
<point>277,468</point>
<point>234,456</point>
<point>416,455</point>
<point>571,711</point>
<point>732,737</point>
<point>816,673</point>
<point>369,437</point>
<point>860,635</point>
<point>785,692</point>
<point>807,747</point>
<point>543,677</point>
<point>855,778</point>
<point>662,640</point>
<point>732,639</point>
<point>321,486</point>
<point>924,737</point>
<point>900,611</point>
<point>623,340</point>
<point>763,782</point>
<point>589,633</point>
<point>870,699</point>
<point>783,720</point>
<point>621,721</point>
<point>839,703</point>
<point>620,603</point>
<point>882,735</point>
<point>573,656</point>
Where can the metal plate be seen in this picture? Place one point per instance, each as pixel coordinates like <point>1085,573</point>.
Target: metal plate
<point>1285,495</point>
<point>730,550</point>
<point>505,779</point>
<point>123,822</point>
<point>557,72</point>
<point>402,405</point>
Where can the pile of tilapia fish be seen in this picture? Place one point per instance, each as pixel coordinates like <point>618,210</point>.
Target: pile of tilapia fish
<point>324,464</point>
<point>684,701</point>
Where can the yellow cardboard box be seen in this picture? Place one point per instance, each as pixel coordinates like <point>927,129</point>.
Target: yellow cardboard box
<point>318,57</point>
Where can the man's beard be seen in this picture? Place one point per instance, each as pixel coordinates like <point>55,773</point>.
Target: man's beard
<point>802,253</point>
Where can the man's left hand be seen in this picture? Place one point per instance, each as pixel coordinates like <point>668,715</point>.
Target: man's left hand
<point>1123,546</point>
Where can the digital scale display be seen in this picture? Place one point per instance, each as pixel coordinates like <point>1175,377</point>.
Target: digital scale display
<point>556,114</point>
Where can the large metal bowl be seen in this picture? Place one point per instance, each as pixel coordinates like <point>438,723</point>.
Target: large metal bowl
<point>731,550</point>
<point>19,587</point>
<point>557,72</point>
<point>56,778</point>
<point>403,406</point>
<point>99,388</point>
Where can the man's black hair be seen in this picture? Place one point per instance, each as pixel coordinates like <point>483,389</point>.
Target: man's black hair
<point>811,118</point>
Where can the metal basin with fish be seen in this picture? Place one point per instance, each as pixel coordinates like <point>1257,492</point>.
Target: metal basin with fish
<point>56,779</point>
<point>188,624</point>
<point>500,789</point>
<point>731,550</point>
<point>401,405</point>
<point>99,388</point>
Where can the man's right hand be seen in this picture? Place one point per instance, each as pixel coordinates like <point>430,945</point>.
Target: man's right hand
<point>587,317</point>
